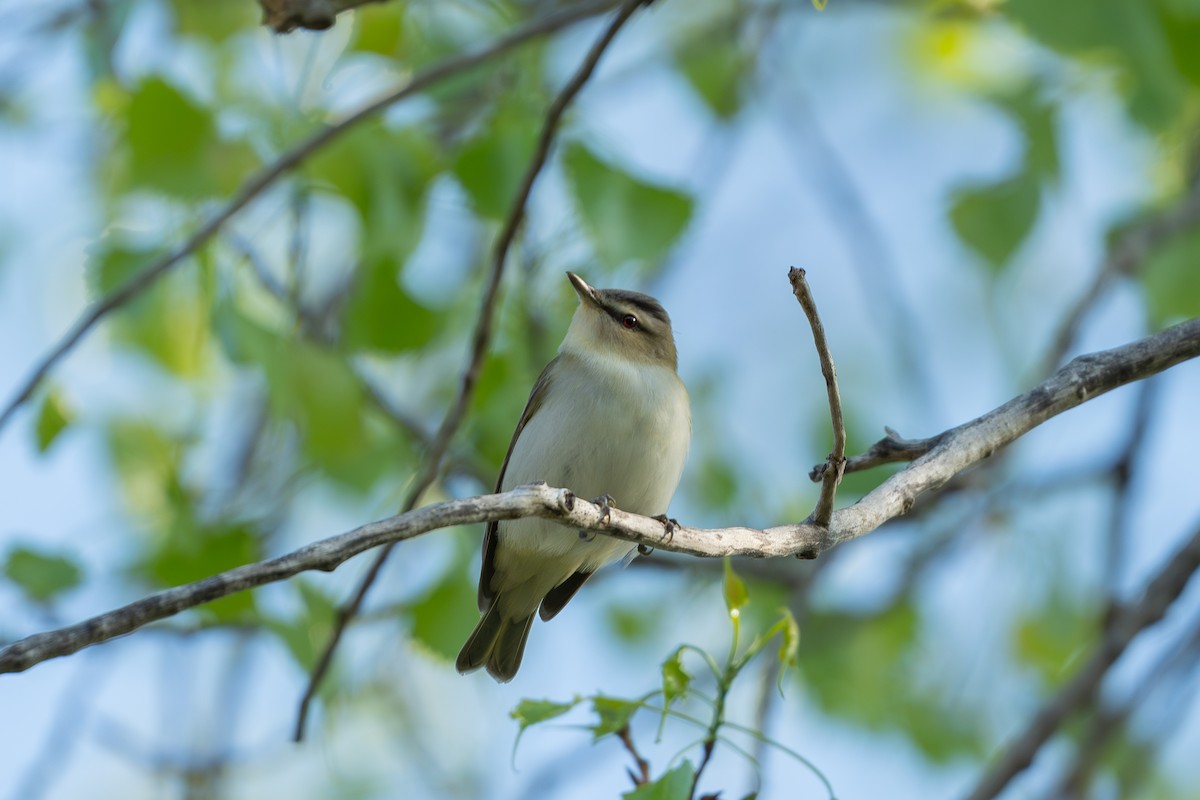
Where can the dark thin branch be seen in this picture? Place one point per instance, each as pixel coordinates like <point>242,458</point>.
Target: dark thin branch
<point>1111,721</point>
<point>1085,378</point>
<point>1126,257</point>
<point>642,776</point>
<point>282,165</point>
<point>836,462</point>
<point>1160,593</point>
<point>479,345</point>
<point>890,449</point>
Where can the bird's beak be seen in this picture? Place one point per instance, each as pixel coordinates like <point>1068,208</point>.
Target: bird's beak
<point>586,293</point>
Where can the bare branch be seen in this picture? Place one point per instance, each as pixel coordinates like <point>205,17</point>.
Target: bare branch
<point>888,450</point>
<point>836,463</point>
<point>1083,379</point>
<point>483,333</point>
<point>282,165</point>
<point>1160,593</point>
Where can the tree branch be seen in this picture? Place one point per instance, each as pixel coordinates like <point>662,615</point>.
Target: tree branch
<point>479,345</point>
<point>836,462</point>
<point>1081,380</point>
<point>285,163</point>
<point>1160,593</point>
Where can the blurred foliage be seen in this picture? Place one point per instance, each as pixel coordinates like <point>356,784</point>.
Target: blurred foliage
<point>385,275</point>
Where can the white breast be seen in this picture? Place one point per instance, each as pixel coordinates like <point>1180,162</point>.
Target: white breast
<point>607,427</point>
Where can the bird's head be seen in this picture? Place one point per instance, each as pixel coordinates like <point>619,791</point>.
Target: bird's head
<point>615,323</point>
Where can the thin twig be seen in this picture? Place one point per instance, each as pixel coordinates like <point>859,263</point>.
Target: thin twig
<point>837,459</point>
<point>890,449</point>
<point>642,776</point>
<point>1084,379</point>
<point>1160,593</point>
<point>285,163</point>
<point>479,344</point>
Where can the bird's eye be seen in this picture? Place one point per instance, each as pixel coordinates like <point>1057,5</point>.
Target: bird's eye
<point>630,322</point>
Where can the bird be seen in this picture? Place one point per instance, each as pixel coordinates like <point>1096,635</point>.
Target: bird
<point>609,418</point>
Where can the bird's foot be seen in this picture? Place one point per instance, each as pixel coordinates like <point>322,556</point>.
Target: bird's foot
<point>669,526</point>
<point>606,503</point>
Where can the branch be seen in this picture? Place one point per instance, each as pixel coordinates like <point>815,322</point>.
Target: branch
<point>285,163</point>
<point>479,345</point>
<point>836,462</point>
<point>1083,379</point>
<point>1161,592</point>
<point>284,16</point>
<point>888,450</point>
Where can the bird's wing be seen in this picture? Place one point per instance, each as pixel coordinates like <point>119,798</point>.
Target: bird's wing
<point>536,397</point>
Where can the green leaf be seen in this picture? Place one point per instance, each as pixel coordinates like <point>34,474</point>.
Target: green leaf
<point>441,617</point>
<point>532,712</point>
<point>789,644</point>
<point>379,28</point>
<point>1053,636</point>
<point>53,418</point>
<point>42,576</point>
<point>675,684</point>
<point>735,589</point>
<point>626,218</point>
<point>1172,281</point>
<point>716,483</point>
<point>613,714</point>
<point>717,70</point>
<point>1036,118</point>
<point>491,165</point>
<point>674,785</point>
<point>1113,33</point>
<point>215,20</point>
<point>994,219</point>
<point>381,316</point>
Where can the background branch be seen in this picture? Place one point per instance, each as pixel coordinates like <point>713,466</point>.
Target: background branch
<point>1161,592</point>
<point>1083,379</point>
<point>271,173</point>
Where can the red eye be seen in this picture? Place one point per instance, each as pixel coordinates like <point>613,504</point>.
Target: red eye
<point>630,322</point>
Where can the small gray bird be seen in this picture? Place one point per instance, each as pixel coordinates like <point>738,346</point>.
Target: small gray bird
<point>608,417</point>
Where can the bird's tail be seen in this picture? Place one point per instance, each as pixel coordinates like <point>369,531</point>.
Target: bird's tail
<point>496,643</point>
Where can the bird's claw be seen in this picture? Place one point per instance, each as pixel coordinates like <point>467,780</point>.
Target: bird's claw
<point>669,526</point>
<point>606,503</point>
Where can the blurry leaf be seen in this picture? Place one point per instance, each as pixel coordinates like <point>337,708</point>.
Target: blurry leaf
<point>53,418</point>
<point>717,70</point>
<point>868,670</point>
<point>1171,279</point>
<point>174,148</point>
<point>716,483</point>
<point>191,550</point>
<point>1180,20</point>
<point>305,636</point>
<point>1037,120</point>
<point>379,28</point>
<point>627,219</point>
<point>789,644</point>
<point>440,618</point>
<point>215,20</point>
<point>382,316</point>
<point>168,321</point>
<point>42,576</point>
<point>1052,636</point>
<point>994,219</point>
<point>1127,35</point>
<point>674,785</point>
<point>630,623</point>
<point>735,589</point>
<point>613,714</point>
<point>490,166</point>
<point>386,175</point>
